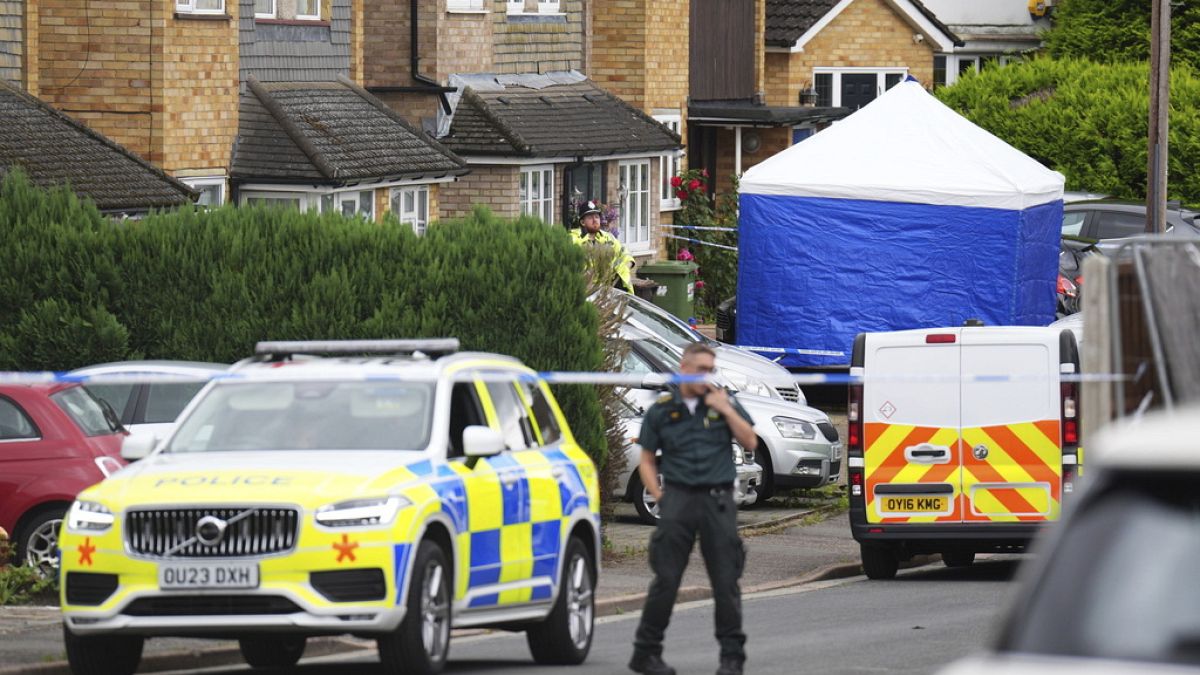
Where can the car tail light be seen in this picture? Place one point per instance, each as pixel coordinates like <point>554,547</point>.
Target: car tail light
<point>1066,286</point>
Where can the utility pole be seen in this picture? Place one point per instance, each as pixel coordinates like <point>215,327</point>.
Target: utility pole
<point>1160,103</point>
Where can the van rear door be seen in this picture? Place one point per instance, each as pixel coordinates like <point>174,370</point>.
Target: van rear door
<point>911,449</point>
<point>1012,449</point>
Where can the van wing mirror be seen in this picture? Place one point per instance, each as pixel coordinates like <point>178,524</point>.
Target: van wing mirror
<point>481,441</point>
<point>135,446</point>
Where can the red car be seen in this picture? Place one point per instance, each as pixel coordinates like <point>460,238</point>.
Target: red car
<point>55,440</point>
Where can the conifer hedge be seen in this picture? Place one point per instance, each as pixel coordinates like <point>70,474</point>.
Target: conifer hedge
<point>1088,120</point>
<point>78,289</point>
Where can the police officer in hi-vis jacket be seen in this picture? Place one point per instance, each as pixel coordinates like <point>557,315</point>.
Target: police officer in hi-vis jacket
<point>694,427</point>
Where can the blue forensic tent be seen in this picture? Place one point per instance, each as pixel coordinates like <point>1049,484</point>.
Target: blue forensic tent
<point>903,215</point>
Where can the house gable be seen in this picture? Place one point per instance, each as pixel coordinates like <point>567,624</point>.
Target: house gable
<point>792,24</point>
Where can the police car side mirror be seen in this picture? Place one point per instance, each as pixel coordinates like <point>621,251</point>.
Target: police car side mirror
<point>135,446</point>
<point>481,441</point>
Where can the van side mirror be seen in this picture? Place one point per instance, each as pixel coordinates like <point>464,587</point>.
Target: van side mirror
<point>137,446</point>
<point>481,441</point>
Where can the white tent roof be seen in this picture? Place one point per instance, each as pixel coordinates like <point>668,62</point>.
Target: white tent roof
<point>906,146</point>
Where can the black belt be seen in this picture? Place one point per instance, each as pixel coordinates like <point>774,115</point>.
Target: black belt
<point>708,487</point>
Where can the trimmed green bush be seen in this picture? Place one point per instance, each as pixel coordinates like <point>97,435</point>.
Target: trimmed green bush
<point>1119,30</point>
<point>1087,120</point>
<point>78,289</point>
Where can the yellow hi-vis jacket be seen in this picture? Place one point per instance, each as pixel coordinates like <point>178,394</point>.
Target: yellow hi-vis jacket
<point>622,261</point>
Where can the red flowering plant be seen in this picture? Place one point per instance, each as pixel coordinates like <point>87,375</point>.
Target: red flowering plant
<point>718,265</point>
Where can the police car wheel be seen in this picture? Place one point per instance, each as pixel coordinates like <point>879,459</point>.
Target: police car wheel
<point>565,637</point>
<point>643,502</point>
<point>958,558</point>
<point>420,645</point>
<point>272,651</point>
<point>102,654</point>
<point>879,562</point>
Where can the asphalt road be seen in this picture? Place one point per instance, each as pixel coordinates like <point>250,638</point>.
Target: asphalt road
<point>924,619</point>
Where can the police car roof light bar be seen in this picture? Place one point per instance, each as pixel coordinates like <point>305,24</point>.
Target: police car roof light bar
<point>284,349</point>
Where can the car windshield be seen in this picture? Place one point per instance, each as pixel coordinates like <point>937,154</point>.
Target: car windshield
<point>86,412</point>
<point>665,326</point>
<point>319,415</point>
<point>1121,584</point>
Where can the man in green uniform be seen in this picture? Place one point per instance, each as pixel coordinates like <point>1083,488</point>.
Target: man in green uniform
<point>695,428</point>
<point>590,234</point>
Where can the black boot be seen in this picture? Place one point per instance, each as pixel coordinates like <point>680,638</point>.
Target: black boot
<point>650,664</point>
<point>730,667</point>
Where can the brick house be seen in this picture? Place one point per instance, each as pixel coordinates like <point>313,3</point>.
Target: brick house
<point>501,83</point>
<point>167,79</point>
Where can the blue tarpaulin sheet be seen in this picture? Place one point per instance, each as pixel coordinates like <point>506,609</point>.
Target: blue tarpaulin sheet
<point>814,272</point>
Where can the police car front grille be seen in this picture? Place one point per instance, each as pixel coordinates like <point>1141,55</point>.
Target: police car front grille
<point>250,531</point>
<point>790,394</point>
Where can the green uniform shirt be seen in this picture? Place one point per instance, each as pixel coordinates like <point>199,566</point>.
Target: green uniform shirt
<point>697,449</point>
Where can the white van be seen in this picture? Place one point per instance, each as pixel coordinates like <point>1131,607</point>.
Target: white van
<point>960,440</point>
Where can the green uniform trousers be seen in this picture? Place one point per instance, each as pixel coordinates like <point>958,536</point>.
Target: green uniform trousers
<point>685,512</point>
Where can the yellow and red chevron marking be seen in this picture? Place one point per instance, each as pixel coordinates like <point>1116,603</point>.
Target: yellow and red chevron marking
<point>1024,463</point>
<point>885,463</point>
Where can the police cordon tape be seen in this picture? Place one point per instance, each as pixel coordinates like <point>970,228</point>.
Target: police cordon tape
<point>702,228</point>
<point>704,243</point>
<point>551,377</point>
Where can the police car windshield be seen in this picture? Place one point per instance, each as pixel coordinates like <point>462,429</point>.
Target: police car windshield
<point>319,415</point>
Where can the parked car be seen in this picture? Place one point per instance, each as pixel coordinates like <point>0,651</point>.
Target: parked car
<point>745,371</point>
<point>150,407</point>
<point>393,496</point>
<point>1112,588</point>
<point>798,446</point>
<point>55,441</point>
<point>1111,219</point>
<point>634,403</point>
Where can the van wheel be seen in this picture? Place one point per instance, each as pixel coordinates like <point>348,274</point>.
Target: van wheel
<point>421,643</point>
<point>644,502</point>
<point>102,654</point>
<point>565,637</point>
<point>272,651</point>
<point>879,562</point>
<point>958,558</point>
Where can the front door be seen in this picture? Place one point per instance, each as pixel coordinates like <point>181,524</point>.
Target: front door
<point>858,89</point>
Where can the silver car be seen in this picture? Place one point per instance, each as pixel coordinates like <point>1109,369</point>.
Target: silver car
<point>798,446</point>
<point>150,407</point>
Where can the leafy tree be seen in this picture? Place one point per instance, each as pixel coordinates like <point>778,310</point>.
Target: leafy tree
<point>1087,120</point>
<point>1119,30</point>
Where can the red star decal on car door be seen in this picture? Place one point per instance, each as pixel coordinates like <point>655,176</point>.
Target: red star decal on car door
<point>345,548</point>
<point>85,552</point>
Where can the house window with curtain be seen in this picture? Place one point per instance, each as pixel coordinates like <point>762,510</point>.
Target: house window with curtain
<point>264,9</point>
<point>537,192</point>
<point>200,6</point>
<point>465,6</point>
<point>350,203</point>
<point>635,191</point>
<point>668,165</point>
<point>308,10</point>
<point>411,206</point>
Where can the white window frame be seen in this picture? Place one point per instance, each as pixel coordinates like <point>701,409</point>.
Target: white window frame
<point>543,206</point>
<point>189,7</point>
<point>307,17</point>
<point>300,197</point>
<point>669,165</point>
<point>881,74</point>
<point>273,13</point>
<point>418,217</point>
<point>466,6</point>
<point>635,235</point>
<point>317,202</point>
<point>197,182</point>
<point>517,7</point>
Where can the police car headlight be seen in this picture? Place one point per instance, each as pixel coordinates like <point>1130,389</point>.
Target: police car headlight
<point>361,512</point>
<point>793,428</point>
<point>89,517</point>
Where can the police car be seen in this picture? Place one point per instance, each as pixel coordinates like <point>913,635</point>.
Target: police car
<point>393,496</point>
<point>961,440</point>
